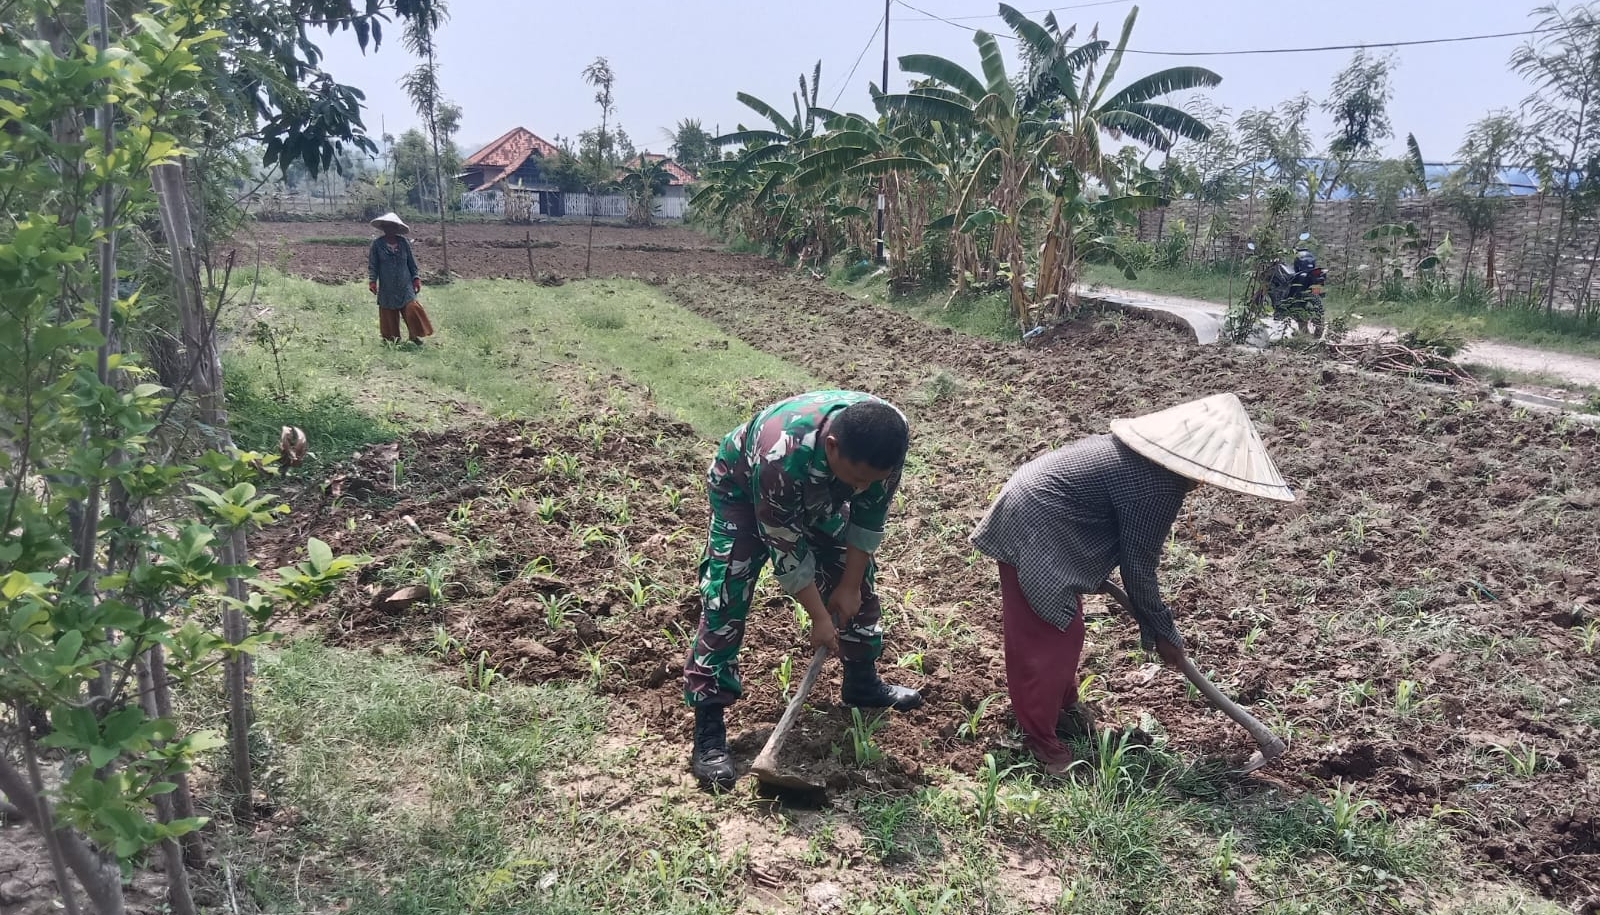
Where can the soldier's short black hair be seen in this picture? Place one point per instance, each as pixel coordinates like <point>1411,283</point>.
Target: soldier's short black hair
<point>873,433</point>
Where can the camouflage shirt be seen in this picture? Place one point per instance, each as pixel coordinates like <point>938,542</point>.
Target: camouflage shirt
<point>778,462</point>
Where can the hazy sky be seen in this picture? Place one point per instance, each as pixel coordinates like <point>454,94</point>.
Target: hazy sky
<point>519,63</point>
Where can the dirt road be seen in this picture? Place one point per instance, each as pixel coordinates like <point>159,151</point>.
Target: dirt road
<point>1578,371</point>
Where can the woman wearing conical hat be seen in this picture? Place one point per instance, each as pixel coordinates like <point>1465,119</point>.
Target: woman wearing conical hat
<point>1065,519</point>
<point>392,276</point>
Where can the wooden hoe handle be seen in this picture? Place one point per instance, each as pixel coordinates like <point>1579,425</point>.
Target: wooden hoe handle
<point>767,762</point>
<point>1268,742</point>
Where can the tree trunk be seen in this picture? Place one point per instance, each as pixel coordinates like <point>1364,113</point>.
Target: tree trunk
<point>1561,216</point>
<point>438,173</point>
<point>199,339</point>
<point>101,879</point>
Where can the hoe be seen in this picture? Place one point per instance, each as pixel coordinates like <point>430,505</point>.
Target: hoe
<point>766,768</point>
<point>1268,746</point>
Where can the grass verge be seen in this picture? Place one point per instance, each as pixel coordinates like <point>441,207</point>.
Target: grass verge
<point>500,349</point>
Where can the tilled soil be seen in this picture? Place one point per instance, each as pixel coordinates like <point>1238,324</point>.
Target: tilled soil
<point>1420,606</point>
<point>1439,541</point>
<point>559,251</point>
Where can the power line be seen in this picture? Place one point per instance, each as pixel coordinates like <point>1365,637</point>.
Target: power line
<point>859,58</point>
<point>1055,9</point>
<point>1253,51</point>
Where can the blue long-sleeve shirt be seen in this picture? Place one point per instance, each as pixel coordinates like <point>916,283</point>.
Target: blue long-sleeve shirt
<point>394,270</point>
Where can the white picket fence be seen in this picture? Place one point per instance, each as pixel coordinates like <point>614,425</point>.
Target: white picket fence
<point>577,206</point>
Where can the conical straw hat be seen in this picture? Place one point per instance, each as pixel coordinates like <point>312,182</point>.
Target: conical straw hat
<point>1211,440</point>
<point>392,219</point>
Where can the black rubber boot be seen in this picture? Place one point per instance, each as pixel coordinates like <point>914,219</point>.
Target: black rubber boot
<point>711,763</point>
<point>863,689</point>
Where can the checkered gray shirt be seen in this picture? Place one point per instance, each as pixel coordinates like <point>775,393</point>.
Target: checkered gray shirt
<point>1065,519</point>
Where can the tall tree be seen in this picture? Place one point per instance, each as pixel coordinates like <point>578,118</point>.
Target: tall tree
<point>691,144</point>
<point>603,80</point>
<point>1475,191</point>
<point>1275,143</point>
<point>1358,102</point>
<point>1563,112</point>
<point>422,85</point>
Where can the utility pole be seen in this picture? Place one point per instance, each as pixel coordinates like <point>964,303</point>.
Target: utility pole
<point>884,88</point>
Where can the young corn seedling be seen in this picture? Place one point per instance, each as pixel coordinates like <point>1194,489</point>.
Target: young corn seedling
<point>549,509</point>
<point>674,499</point>
<point>460,517</point>
<point>1223,862</point>
<point>594,665</point>
<point>1589,635</point>
<point>537,566</point>
<point>1112,767</point>
<point>969,728</point>
<point>557,609</point>
<point>1344,815</point>
<point>986,793</point>
<point>483,674</point>
<point>912,660</point>
<point>639,593</point>
<point>1407,698</point>
<point>785,676</point>
<point>1088,692</point>
<point>443,644</point>
<point>593,537</point>
<point>433,577</point>
<point>860,732</point>
<point>1524,760</point>
<point>1251,637</point>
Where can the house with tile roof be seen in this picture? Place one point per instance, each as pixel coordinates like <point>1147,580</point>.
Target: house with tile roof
<point>514,161</point>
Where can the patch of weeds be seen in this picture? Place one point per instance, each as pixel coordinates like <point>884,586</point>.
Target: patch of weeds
<point>885,827</point>
<point>939,388</point>
<point>343,241</point>
<point>333,426</point>
<point>1348,827</point>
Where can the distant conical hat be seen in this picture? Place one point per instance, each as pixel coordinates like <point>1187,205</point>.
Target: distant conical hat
<point>1211,440</point>
<point>391,219</point>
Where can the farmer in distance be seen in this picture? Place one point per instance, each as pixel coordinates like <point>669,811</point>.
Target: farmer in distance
<point>392,276</point>
<point>807,483</point>
<point>1066,518</point>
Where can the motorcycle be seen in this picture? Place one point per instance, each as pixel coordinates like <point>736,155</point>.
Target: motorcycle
<point>1296,291</point>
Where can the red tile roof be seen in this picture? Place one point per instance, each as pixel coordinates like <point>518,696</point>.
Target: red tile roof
<point>680,175</point>
<point>506,155</point>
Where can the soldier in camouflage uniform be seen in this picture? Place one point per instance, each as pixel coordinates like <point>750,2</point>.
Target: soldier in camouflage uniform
<point>806,483</point>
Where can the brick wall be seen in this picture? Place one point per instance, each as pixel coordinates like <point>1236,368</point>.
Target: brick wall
<point>1521,248</point>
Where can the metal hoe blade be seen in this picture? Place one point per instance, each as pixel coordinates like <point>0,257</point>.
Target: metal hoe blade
<point>766,768</point>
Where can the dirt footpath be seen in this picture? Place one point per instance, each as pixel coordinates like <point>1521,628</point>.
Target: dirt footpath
<point>1581,371</point>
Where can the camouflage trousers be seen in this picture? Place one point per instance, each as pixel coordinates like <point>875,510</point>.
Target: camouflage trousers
<point>729,570</point>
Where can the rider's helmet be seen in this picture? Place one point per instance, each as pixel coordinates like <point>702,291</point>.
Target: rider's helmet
<point>1304,260</point>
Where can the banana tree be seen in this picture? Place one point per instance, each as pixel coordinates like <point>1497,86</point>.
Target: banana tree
<point>1015,143</point>
<point>641,184</point>
<point>1062,80</point>
<point>1076,231</point>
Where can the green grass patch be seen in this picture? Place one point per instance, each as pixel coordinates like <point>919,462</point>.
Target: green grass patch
<point>502,348</point>
<point>415,795</point>
<point>981,315</point>
<point>1559,331</point>
<point>345,241</point>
